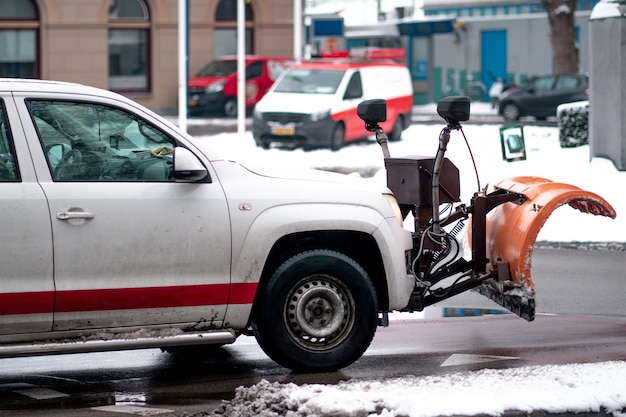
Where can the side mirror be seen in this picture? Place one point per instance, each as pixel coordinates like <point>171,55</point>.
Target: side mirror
<point>187,167</point>
<point>454,109</point>
<point>372,112</point>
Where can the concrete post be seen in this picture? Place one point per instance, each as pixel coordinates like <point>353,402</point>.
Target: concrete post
<point>607,110</point>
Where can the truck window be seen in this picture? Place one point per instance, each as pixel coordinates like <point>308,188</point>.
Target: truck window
<point>8,163</point>
<point>91,142</point>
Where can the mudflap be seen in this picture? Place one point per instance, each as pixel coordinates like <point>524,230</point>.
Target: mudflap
<point>511,231</point>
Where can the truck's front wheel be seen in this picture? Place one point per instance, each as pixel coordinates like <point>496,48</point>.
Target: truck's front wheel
<point>318,312</point>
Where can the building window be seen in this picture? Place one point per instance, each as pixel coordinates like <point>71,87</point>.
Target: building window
<point>225,39</point>
<point>227,10</point>
<point>19,28</point>
<point>586,4</point>
<point>129,26</point>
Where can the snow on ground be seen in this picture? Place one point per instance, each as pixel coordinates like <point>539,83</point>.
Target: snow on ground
<point>599,387</point>
<point>545,158</point>
<point>574,388</point>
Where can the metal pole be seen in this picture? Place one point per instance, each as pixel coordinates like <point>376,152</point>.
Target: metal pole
<point>297,30</point>
<point>241,67</point>
<point>182,65</point>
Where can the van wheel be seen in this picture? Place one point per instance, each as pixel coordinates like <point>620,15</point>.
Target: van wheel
<point>338,139</point>
<point>318,312</point>
<point>396,133</point>
<point>230,108</point>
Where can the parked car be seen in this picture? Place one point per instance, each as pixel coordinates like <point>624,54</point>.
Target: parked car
<point>313,104</point>
<point>214,88</point>
<point>540,96</point>
<point>119,231</point>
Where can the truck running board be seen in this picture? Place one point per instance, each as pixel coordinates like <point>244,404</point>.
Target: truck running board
<point>80,346</point>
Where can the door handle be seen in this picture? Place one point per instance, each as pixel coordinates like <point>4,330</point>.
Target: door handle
<point>70,215</point>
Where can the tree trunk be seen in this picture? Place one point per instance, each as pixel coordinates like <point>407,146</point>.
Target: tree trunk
<point>562,35</point>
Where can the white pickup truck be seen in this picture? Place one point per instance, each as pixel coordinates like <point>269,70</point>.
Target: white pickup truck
<point>121,232</point>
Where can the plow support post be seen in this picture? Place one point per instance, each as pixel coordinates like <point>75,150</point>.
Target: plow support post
<point>511,229</point>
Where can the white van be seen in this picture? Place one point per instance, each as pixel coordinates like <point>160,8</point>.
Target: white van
<point>313,104</point>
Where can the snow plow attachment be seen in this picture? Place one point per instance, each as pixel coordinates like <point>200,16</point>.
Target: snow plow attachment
<point>511,231</point>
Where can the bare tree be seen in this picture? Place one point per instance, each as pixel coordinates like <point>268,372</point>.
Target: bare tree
<point>562,34</point>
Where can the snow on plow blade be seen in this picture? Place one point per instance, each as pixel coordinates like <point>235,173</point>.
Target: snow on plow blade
<point>513,228</point>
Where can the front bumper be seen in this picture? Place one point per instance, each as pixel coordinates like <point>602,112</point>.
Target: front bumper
<point>200,102</point>
<point>292,129</point>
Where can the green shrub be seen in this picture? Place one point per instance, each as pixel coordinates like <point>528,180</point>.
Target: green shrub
<point>573,121</point>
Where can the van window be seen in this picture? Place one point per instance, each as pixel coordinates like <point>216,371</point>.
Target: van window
<point>354,89</point>
<point>254,70</point>
<point>219,68</point>
<point>310,81</point>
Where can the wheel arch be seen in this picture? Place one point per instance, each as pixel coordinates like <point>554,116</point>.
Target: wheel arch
<point>359,246</point>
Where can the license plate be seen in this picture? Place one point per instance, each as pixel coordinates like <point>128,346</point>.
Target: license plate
<point>283,130</point>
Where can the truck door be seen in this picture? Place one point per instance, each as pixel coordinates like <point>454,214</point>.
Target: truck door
<point>132,247</point>
<point>26,280</point>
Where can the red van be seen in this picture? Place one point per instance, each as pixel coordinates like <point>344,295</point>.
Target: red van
<point>214,88</point>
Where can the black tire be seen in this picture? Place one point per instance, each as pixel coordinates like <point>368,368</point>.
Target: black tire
<point>230,108</point>
<point>317,313</point>
<point>396,134</point>
<point>510,112</point>
<point>338,139</point>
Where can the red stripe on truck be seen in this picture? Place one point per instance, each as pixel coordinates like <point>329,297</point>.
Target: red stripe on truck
<point>127,298</point>
<point>26,303</point>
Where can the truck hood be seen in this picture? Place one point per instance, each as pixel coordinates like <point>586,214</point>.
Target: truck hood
<point>195,82</point>
<point>311,175</point>
<point>223,165</point>
<point>307,103</point>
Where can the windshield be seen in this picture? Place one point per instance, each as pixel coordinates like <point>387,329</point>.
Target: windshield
<point>219,68</point>
<point>311,81</point>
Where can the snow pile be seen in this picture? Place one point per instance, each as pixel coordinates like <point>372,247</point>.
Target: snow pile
<point>555,389</point>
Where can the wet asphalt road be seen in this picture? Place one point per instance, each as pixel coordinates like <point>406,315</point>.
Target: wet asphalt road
<point>582,290</point>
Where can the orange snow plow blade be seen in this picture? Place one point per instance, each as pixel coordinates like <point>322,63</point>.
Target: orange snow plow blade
<point>511,229</point>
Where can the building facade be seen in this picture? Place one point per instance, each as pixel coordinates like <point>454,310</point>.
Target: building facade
<point>131,46</point>
<point>465,8</point>
<point>462,46</point>
<point>512,48</point>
